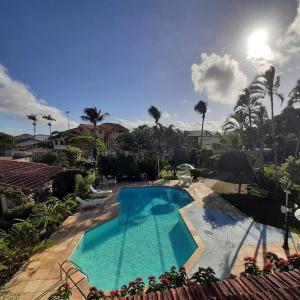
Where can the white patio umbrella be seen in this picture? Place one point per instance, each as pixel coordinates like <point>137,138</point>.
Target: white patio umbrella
<point>185,167</point>
<point>297,214</point>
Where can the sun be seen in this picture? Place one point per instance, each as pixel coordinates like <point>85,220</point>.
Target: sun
<point>258,47</point>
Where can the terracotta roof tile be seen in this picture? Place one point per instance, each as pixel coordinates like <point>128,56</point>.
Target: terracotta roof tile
<point>279,286</point>
<point>26,176</point>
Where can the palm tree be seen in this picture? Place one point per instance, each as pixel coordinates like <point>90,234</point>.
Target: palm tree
<point>268,84</point>
<point>201,108</point>
<point>33,118</point>
<point>50,120</point>
<point>94,116</point>
<point>294,95</point>
<point>261,122</point>
<point>154,113</point>
<point>248,105</point>
<point>235,122</point>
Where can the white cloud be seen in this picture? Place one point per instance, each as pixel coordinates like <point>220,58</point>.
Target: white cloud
<point>284,48</point>
<point>289,44</point>
<point>220,77</point>
<point>208,125</point>
<point>17,100</point>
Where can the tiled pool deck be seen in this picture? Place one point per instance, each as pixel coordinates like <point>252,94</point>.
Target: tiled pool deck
<point>223,234</point>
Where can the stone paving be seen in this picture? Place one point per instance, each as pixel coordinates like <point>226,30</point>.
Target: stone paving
<point>229,235</point>
<point>223,235</point>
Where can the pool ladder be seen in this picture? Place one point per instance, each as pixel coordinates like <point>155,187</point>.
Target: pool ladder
<point>71,271</point>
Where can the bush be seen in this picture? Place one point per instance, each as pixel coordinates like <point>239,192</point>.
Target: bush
<point>64,182</point>
<point>196,173</point>
<point>15,196</point>
<point>83,184</point>
<point>22,211</point>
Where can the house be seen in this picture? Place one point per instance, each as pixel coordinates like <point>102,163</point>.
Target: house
<point>26,176</point>
<point>209,137</point>
<point>106,131</point>
<point>28,140</point>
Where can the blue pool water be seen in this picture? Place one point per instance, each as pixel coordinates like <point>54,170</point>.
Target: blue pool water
<point>147,238</point>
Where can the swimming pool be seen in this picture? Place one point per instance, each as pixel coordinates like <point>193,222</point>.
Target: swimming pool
<point>147,238</point>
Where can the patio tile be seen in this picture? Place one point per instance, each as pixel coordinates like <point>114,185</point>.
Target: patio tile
<point>32,286</point>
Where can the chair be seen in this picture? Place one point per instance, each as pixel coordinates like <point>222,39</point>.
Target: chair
<point>99,191</point>
<point>90,202</point>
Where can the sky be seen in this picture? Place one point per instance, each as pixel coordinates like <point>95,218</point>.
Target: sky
<point>125,55</point>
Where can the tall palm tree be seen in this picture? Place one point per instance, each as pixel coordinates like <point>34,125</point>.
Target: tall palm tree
<point>248,105</point>
<point>268,84</point>
<point>50,119</point>
<point>154,113</point>
<point>94,116</point>
<point>294,95</point>
<point>201,108</point>
<point>261,122</point>
<point>34,119</point>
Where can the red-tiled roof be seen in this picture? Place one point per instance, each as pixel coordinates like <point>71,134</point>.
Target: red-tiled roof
<point>114,125</point>
<point>26,176</point>
<point>279,286</point>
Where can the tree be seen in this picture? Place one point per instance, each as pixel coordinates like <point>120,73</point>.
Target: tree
<point>294,95</point>
<point>235,122</point>
<point>154,113</point>
<point>261,121</point>
<point>268,84</point>
<point>201,108</point>
<point>50,120</point>
<point>289,121</point>
<point>248,105</point>
<point>94,116</point>
<point>86,144</point>
<point>7,142</point>
<point>34,119</point>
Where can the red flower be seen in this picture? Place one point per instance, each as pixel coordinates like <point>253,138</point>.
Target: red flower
<point>138,280</point>
<point>282,262</point>
<point>268,266</point>
<point>67,286</point>
<point>131,283</point>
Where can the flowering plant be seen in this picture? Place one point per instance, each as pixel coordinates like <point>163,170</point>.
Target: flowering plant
<point>135,287</point>
<point>95,294</point>
<point>250,267</point>
<point>204,275</point>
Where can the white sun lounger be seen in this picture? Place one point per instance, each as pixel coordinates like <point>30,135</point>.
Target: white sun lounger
<point>100,192</point>
<point>89,202</point>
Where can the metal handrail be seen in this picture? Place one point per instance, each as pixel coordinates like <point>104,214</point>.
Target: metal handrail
<point>68,273</point>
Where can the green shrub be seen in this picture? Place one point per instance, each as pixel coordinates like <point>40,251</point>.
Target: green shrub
<point>73,154</point>
<point>22,211</point>
<point>83,184</point>
<point>196,173</point>
<point>64,182</point>
<point>54,158</point>
<point>16,196</point>
<point>22,235</point>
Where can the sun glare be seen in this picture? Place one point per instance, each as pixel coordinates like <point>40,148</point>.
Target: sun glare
<point>258,47</point>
